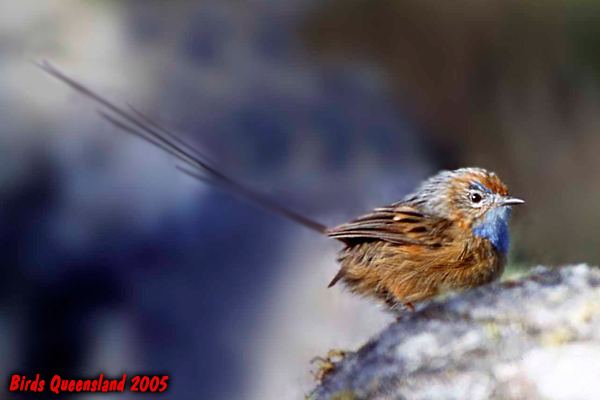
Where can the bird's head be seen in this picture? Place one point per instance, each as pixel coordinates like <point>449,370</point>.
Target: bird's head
<point>473,197</point>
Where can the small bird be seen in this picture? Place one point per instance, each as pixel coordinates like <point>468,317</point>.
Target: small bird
<point>450,234</point>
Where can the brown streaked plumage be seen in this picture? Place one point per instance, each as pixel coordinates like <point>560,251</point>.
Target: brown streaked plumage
<point>403,273</point>
<point>407,252</point>
<point>452,233</point>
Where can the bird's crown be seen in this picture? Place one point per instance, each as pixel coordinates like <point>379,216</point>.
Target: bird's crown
<point>465,193</point>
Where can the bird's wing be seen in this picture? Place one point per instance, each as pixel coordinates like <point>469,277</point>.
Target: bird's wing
<point>399,224</point>
<point>196,165</point>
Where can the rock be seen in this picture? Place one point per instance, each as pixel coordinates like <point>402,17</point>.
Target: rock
<point>536,337</point>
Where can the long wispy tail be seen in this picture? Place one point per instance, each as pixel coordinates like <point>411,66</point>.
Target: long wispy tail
<point>195,164</point>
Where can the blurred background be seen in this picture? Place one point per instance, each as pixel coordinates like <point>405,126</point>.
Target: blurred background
<point>113,262</point>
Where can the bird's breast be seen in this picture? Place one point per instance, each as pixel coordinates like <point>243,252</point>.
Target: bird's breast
<point>494,227</point>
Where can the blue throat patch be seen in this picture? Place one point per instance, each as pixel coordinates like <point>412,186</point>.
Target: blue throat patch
<point>495,228</point>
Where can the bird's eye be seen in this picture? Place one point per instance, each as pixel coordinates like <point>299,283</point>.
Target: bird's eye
<point>475,197</point>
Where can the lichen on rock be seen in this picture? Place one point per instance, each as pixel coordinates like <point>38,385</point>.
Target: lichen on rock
<point>535,337</point>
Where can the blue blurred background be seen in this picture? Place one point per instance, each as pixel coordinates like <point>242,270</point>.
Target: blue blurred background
<point>113,262</point>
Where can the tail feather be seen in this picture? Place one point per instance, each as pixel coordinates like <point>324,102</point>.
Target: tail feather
<point>337,277</point>
<point>198,165</point>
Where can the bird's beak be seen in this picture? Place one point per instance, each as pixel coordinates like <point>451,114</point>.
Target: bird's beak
<point>510,201</point>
